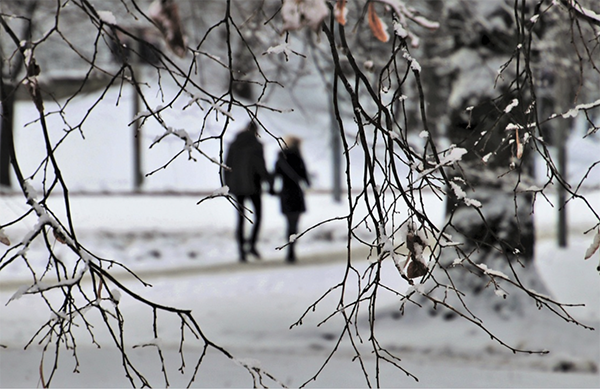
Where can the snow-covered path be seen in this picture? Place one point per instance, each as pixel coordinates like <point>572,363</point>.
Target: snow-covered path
<point>249,312</point>
<point>249,309</point>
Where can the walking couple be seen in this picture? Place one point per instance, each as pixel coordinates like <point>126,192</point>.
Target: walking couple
<point>248,171</point>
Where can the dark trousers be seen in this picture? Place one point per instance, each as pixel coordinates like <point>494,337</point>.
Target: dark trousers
<point>257,206</point>
<point>292,228</point>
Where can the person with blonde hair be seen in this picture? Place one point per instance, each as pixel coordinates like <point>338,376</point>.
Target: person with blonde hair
<point>291,170</point>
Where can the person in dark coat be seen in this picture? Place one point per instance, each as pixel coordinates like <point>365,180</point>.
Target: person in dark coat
<point>291,169</point>
<point>248,171</point>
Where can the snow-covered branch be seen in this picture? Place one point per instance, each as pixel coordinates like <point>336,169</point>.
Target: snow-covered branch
<point>582,12</point>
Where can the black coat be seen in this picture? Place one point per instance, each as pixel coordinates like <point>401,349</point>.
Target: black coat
<point>246,159</point>
<point>290,167</point>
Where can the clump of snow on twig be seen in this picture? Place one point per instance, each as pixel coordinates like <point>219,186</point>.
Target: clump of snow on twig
<point>448,158</point>
<point>414,65</point>
<point>400,31</point>
<point>510,106</point>
<point>115,295</point>
<point>418,288</point>
<point>491,272</point>
<point>107,17</point>
<point>461,195</point>
<point>281,48</point>
<point>455,155</point>
<point>581,107</point>
<point>222,191</point>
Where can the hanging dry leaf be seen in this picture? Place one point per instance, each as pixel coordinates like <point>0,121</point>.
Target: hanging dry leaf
<point>59,236</point>
<point>4,239</point>
<point>165,14</point>
<point>340,12</point>
<point>519,149</point>
<point>519,144</point>
<point>416,269</point>
<point>594,246</point>
<point>378,27</point>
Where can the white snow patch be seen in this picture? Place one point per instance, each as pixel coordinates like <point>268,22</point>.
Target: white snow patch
<point>107,17</point>
<point>510,106</point>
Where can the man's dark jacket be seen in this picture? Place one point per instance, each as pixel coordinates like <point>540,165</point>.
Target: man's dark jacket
<point>246,159</point>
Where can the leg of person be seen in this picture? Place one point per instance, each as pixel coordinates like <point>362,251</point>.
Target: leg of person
<point>292,229</point>
<point>240,227</point>
<point>257,204</point>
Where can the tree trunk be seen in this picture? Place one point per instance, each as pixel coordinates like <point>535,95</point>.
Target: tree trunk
<point>500,233</point>
<point>6,134</point>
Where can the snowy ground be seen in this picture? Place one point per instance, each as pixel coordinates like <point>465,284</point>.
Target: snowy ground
<point>187,252</point>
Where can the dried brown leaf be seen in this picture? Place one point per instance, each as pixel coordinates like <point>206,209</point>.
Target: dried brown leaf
<point>340,12</point>
<point>377,26</point>
<point>416,269</point>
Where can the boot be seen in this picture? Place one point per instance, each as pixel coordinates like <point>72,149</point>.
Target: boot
<point>254,252</point>
<point>291,255</point>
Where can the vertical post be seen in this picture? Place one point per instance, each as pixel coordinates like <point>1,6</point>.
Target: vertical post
<point>136,65</point>
<point>563,95</point>
<point>7,104</point>
<point>138,177</point>
<point>336,156</point>
<point>562,193</point>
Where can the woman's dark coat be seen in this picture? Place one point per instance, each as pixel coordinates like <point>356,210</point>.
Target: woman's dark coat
<point>290,167</point>
<point>247,162</point>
